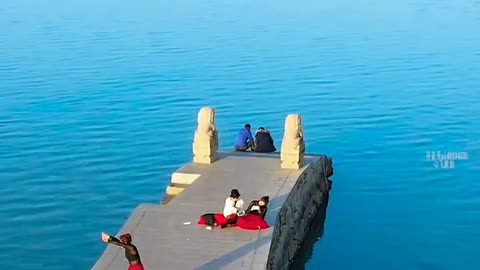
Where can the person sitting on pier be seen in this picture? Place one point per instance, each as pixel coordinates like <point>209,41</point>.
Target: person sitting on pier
<point>258,207</point>
<point>131,251</point>
<point>254,218</point>
<point>233,205</point>
<point>244,139</point>
<point>233,208</point>
<point>264,141</point>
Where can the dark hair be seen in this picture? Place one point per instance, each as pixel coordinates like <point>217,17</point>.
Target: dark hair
<point>261,128</point>
<point>126,238</point>
<point>265,199</point>
<point>247,126</point>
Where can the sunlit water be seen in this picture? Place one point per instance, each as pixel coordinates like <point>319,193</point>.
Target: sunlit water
<point>98,103</point>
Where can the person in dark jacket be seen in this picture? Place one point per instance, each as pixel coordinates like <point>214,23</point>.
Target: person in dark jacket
<point>264,141</point>
<point>258,207</point>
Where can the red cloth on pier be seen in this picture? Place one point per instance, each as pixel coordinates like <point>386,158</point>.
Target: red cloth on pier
<point>219,218</point>
<point>252,222</point>
<point>202,221</point>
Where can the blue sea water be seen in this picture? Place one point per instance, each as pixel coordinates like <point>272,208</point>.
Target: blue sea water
<point>98,104</point>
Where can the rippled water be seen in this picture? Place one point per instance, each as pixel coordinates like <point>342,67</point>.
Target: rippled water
<point>98,103</point>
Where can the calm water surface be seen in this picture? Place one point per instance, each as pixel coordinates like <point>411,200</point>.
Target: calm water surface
<point>98,103</point>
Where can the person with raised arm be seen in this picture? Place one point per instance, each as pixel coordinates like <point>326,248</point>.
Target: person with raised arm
<point>131,251</point>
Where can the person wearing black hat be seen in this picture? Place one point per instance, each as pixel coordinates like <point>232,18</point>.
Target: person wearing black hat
<point>263,141</point>
<point>233,205</point>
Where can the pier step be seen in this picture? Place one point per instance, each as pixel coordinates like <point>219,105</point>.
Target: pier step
<point>178,183</point>
<point>184,178</point>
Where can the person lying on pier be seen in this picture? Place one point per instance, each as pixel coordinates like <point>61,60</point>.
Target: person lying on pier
<point>131,251</point>
<point>254,218</point>
<point>264,141</point>
<point>213,219</point>
<point>258,207</point>
<point>244,139</point>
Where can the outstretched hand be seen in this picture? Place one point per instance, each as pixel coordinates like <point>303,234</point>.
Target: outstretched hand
<point>105,237</point>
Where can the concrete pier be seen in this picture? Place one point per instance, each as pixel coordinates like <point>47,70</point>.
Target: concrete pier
<point>167,234</point>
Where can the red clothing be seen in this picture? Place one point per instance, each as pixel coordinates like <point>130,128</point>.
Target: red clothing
<point>136,267</point>
<point>252,222</point>
<point>218,217</point>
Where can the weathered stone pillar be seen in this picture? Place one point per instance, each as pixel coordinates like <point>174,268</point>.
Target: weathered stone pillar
<point>205,141</point>
<point>293,145</point>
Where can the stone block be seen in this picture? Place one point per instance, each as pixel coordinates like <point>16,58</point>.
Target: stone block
<point>184,178</point>
<point>293,144</point>
<point>205,141</point>
<point>174,190</point>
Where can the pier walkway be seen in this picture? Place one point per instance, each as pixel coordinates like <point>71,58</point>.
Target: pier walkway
<point>165,238</point>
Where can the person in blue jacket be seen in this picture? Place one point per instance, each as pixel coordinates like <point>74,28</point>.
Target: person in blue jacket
<point>245,139</point>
